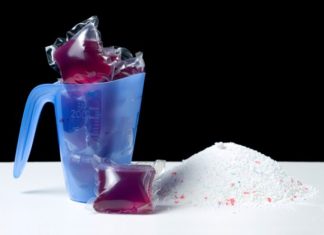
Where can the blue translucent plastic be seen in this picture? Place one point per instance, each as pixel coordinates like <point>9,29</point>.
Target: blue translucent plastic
<point>93,120</point>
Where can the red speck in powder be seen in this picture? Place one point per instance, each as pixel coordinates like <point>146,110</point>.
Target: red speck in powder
<point>174,173</point>
<point>246,193</point>
<point>230,201</point>
<point>269,199</point>
<point>257,162</point>
<point>176,201</point>
<point>182,197</point>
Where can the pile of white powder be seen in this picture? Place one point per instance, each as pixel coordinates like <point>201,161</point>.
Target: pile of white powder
<point>227,174</point>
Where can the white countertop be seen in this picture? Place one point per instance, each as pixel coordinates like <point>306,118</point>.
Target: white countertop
<point>37,203</point>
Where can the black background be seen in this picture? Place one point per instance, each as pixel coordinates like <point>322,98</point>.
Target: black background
<point>245,74</point>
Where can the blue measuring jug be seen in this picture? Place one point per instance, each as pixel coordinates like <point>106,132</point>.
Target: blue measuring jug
<point>97,120</point>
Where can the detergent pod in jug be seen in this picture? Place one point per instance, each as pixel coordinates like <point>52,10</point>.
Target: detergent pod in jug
<point>96,113</point>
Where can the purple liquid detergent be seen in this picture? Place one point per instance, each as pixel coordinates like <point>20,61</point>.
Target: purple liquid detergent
<point>125,189</point>
<point>81,61</point>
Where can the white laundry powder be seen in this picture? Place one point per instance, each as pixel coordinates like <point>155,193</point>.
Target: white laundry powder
<point>227,174</point>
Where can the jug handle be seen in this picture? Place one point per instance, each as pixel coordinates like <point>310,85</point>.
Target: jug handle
<point>36,100</point>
